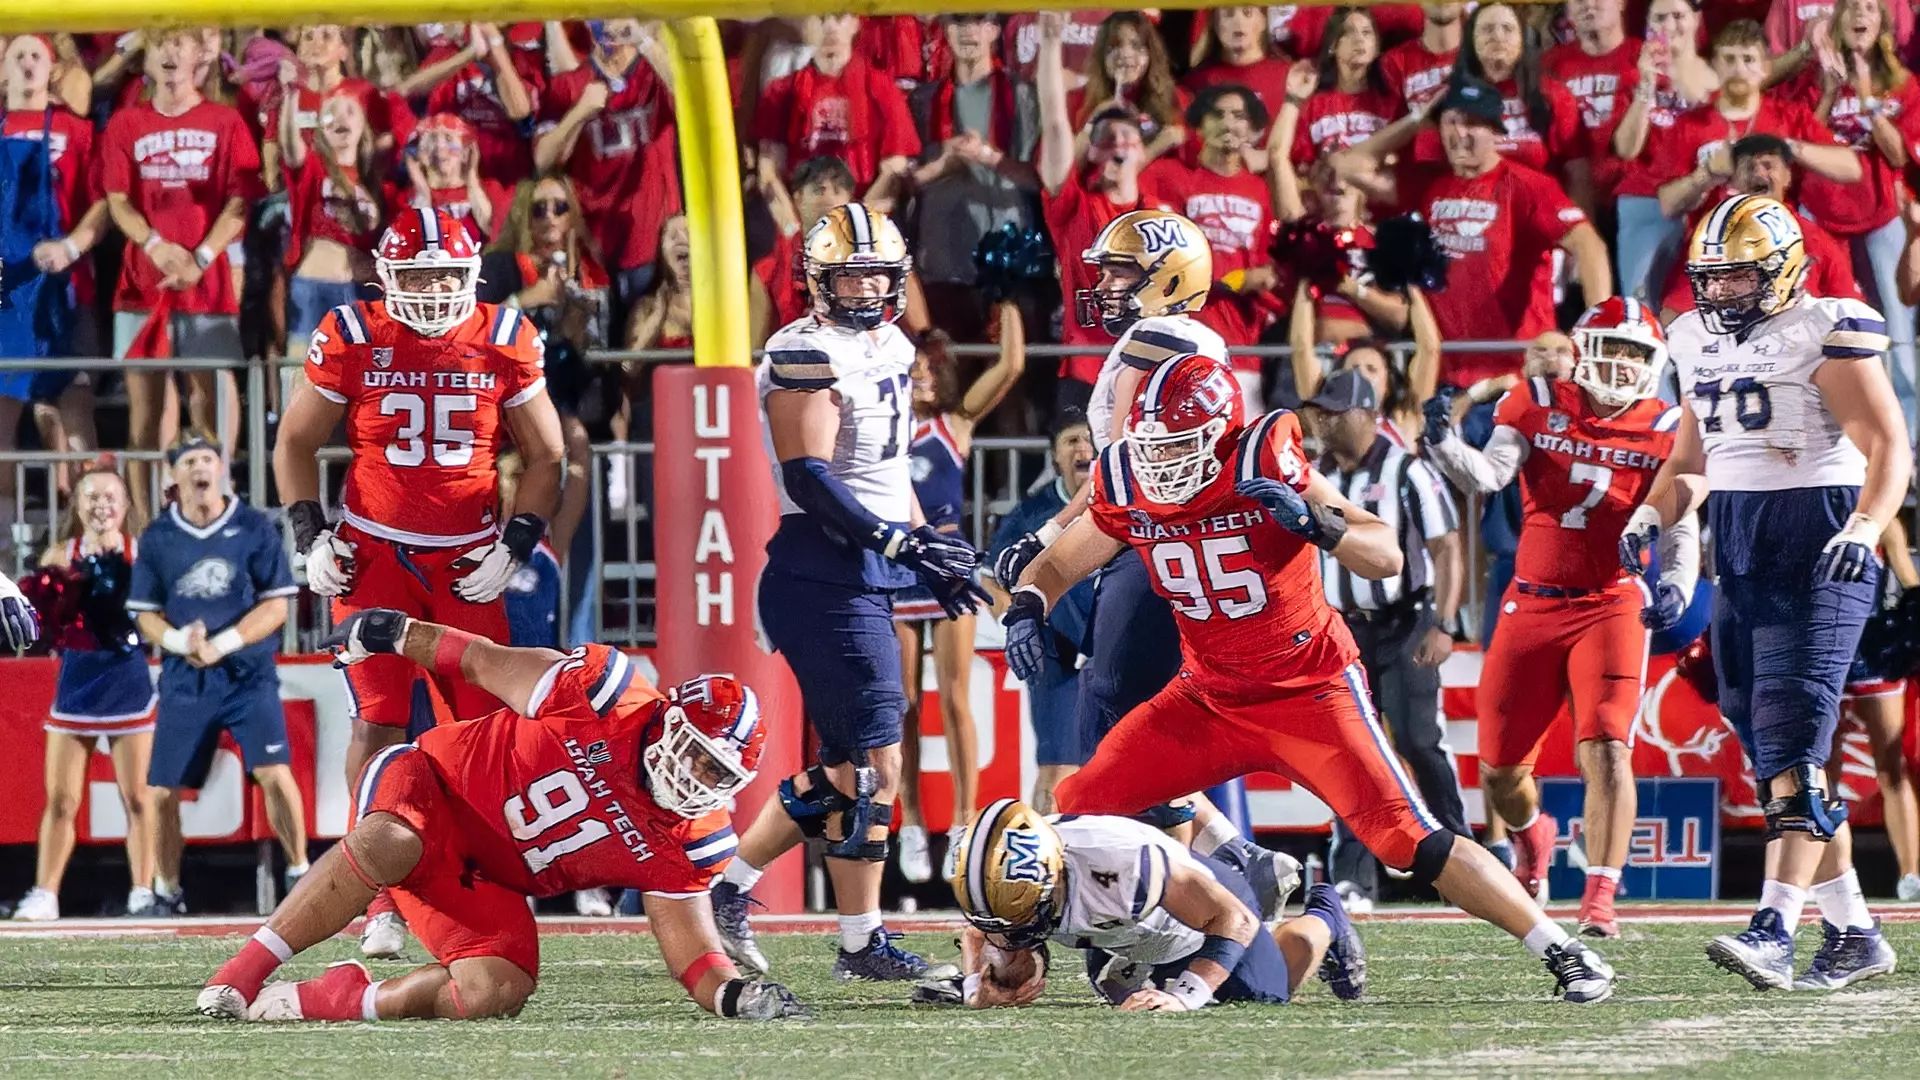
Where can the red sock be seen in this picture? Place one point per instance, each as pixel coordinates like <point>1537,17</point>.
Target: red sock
<point>1600,892</point>
<point>337,995</point>
<point>248,970</point>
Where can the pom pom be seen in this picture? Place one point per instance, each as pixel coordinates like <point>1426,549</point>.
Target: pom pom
<point>1404,253</point>
<point>1010,262</point>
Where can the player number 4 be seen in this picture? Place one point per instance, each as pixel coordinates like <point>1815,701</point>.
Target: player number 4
<point>1600,478</point>
<point>452,446</point>
<point>548,814</point>
<point>1201,582</point>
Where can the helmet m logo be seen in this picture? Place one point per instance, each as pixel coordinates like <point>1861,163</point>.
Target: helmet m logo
<point>1160,235</point>
<point>1023,857</point>
<point>1779,229</point>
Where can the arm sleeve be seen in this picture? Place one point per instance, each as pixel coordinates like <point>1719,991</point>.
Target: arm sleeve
<point>799,368</point>
<point>1485,471</point>
<point>1858,332</point>
<point>1680,554</point>
<point>1438,516</point>
<point>144,592</point>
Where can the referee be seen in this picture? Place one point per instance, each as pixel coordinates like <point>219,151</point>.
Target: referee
<point>1398,622</point>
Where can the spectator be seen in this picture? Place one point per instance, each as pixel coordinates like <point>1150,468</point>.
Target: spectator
<point>178,171</point>
<point>1399,623</point>
<point>1597,67</point>
<point>1235,48</point>
<point>1129,71</point>
<point>975,172</point>
<point>1763,165</point>
<point>1300,29</point>
<point>1339,310</point>
<point>1020,41</point>
<point>1351,100</point>
<point>386,56</point>
<point>1416,71</point>
<point>444,171</point>
<point>1498,222</point>
<point>664,318</point>
<point>898,47</point>
<point>1794,25</point>
<point>1870,100</point>
<point>1082,191</point>
<point>777,292</point>
<point>334,213</point>
<point>610,124</point>
<point>836,105</point>
<point>211,587</point>
<point>103,691</point>
<point>945,417</point>
<point>543,264</point>
<point>1670,79</point>
<point>471,74</point>
<point>321,74</point>
<point>1398,392</point>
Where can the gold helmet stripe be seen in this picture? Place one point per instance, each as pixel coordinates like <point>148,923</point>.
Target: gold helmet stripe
<point>986,828</point>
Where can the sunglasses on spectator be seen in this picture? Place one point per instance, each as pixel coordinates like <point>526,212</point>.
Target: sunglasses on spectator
<point>550,207</point>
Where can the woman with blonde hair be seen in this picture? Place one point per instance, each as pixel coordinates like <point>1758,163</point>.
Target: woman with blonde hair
<point>1128,69</point>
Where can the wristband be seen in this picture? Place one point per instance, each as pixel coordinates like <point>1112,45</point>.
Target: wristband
<point>228,641</point>
<point>174,641</point>
<point>152,241</point>
<point>1860,529</point>
<point>72,249</point>
<point>523,531</point>
<point>1191,989</point>
<point>1048,533</point>
<point>204,256</point>
<point>452,646</point>
<point>705,962</point>
<point>1039,598</point>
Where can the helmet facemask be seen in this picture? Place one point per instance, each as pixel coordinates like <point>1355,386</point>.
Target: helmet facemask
<point>689,773</point>
<point>1112,309</point>
<point>423,307</point>
<point>1616,369</point>
<point>1731,312</point>
<point>860,312</point>
<point>1172,466</point>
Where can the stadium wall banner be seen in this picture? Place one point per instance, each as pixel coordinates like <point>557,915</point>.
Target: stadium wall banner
<point>1676,735</point>
<point>1674,853</point>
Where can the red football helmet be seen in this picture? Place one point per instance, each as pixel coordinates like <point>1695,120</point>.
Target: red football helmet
<point>1185,408</point>
<point>429,268</point>
<point>709,747</point>
<point>1619,352</point>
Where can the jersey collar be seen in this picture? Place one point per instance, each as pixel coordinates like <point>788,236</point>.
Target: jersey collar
<point>195,531</point>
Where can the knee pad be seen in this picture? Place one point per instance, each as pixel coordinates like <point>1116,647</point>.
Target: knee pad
<point>810,809</point>
<point>1805,811</point>
<point>1166,815</point>
<point>1431,856</point>
<point>858,815</point>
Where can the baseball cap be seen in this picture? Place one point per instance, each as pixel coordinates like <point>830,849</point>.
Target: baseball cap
<point>1476,98</point>
<point>1345,390</point>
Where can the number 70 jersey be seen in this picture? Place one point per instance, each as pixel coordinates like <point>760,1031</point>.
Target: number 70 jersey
<point>424,416</point>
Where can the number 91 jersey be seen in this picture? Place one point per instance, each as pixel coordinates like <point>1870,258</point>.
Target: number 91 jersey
<point>1762,420</point>
<point>424,416</point>
<point>1253,613</point>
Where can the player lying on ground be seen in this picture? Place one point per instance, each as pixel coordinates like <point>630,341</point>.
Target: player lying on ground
<point>1164,930</point>
<point>1228,517</point>
<point>600,788</point>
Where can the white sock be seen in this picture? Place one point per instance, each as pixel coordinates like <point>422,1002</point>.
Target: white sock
<point>857,930</point>
<point>1218,831</point>
<point>297,870</point>
<point>1603,871</point>
<point>367,1010</point>
<point>275,944</point>
<point>1524,825</point>
<point>1789,900</point>
<point>1545,935</point>
<point>1842,903</point>
<point>742,873</point>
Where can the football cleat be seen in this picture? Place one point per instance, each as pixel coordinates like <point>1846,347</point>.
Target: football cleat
<point>1344,967</point>
<point>944,992</point>
<point>1274,876</point>
<point>1503,851</point>
<point>1909,887</point>
<point>916,858</point>
<point>593,903</point>
<point>221,1003</point>
<point>730,906</point>
<point>1120,978</point>
<point>1762,954</point>
<point>1847,957</point>
<point>39,905</point>
<point>384,937</point>
<point>1580,975</point>
<point>883,961</point>
<point>1533,853</point>
<point>1353,899</point>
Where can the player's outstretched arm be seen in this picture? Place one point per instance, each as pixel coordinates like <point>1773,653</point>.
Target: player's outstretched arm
<point>1081,549</point>
<point>518,677</point>
<point>1369,547</point>
<point>683,925</point>
<point>1482,471</point>
<point>1195,898</point>
<point>1859,395</point>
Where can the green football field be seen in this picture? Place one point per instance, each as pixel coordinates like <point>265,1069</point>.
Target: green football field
<point>1445,999</point>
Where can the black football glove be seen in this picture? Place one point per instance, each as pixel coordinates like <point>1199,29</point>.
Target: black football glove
<point>1439,416</point>
<point>373,632</point>
<point>1014,558</point>
<point>1321,526</point>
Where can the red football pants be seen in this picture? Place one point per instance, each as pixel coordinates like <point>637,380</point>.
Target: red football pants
<point>1547,650</point>
<point>1324,738</point>
<point>418,581</point>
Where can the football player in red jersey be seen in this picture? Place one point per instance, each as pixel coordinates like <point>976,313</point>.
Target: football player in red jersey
<point>589,777</point>
<point>429,383</point>
<point>1572,624</point>
<point>1227,517</point>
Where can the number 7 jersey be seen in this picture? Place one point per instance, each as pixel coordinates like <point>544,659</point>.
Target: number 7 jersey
<point>424,416</point>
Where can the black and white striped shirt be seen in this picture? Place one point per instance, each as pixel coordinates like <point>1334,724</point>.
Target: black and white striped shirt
<point>1410,497</point>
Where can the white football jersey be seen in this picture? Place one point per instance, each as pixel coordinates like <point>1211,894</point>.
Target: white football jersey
<point>1762,420</point>
<point>1116,878</point>
<point>872,376</point>
<point>1146,345</point>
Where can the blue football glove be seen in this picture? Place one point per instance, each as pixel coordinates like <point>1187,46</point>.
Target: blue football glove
<point>1014,558</point>
<point>1640,545</point>
<point>1848,557</point>
<point>1318,525</point>
<point>19,623</point>
<point>1026,625</point>
<point>939,558</point>
<point>1439,414</point>
<point>1665,608</point>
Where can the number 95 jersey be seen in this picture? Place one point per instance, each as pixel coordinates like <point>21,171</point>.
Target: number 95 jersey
<point>424,416</point>
<point>1761,417</point>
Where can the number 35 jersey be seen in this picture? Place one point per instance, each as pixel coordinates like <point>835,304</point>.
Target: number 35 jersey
<point>1762,420</point>
<point>1253,614</point>
<point>424,416</point>
<point>1583,475</point>
<point>559,802</point>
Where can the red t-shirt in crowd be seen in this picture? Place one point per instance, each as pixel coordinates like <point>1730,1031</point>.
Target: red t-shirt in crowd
<point>1299,29</point>
<point>319,209</point>
<point>76,181</point>
<point>1786,21</point>
<point>623,164</point>
<point>1075,215</point>
<point>1499,229</point>
<point>779,270</point>
<point>471,94</point>
<point>1853,209</point>
<point>896,45</point>
<point>1236,215</point>
<point>307,103</point>
<point>1334,120</point>
<point>1643,173</point>
<point>1415,75</point>
<point>455,200</point>
<point>1697,133</point>
<point>178,172</point>
<point>1266,77</point>
<point>1830,275</point>
<point>1601,84</point>
<point>1020,41</point>
<point>858,115</point>
<point>1564,140</point>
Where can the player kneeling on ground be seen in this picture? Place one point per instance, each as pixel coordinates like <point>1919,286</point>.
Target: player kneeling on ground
<point>1164,930</point>
<point>588,778</point>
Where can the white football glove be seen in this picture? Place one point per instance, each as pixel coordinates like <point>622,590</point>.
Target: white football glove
<point>494,564</point>
<point>329,565</point>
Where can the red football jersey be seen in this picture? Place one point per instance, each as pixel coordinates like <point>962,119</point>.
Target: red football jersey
<point>424,416</point>
<point>559,802</point>
<point>1583,476</point>
<point>1248,592</point>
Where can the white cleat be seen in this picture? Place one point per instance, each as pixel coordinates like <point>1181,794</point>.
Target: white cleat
<point>221,1003</point>
<point>593,903</point>
<point>916,857</point>
<point>1353,899</point>
<point>384,937</point>
<point>1909,887</point>
<point>39,905</point>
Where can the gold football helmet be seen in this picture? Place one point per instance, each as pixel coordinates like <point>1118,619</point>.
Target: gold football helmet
<point>1008,872</point>
<point>848,245</point>
<point>1747,261</point>
<point>1164,266</point>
